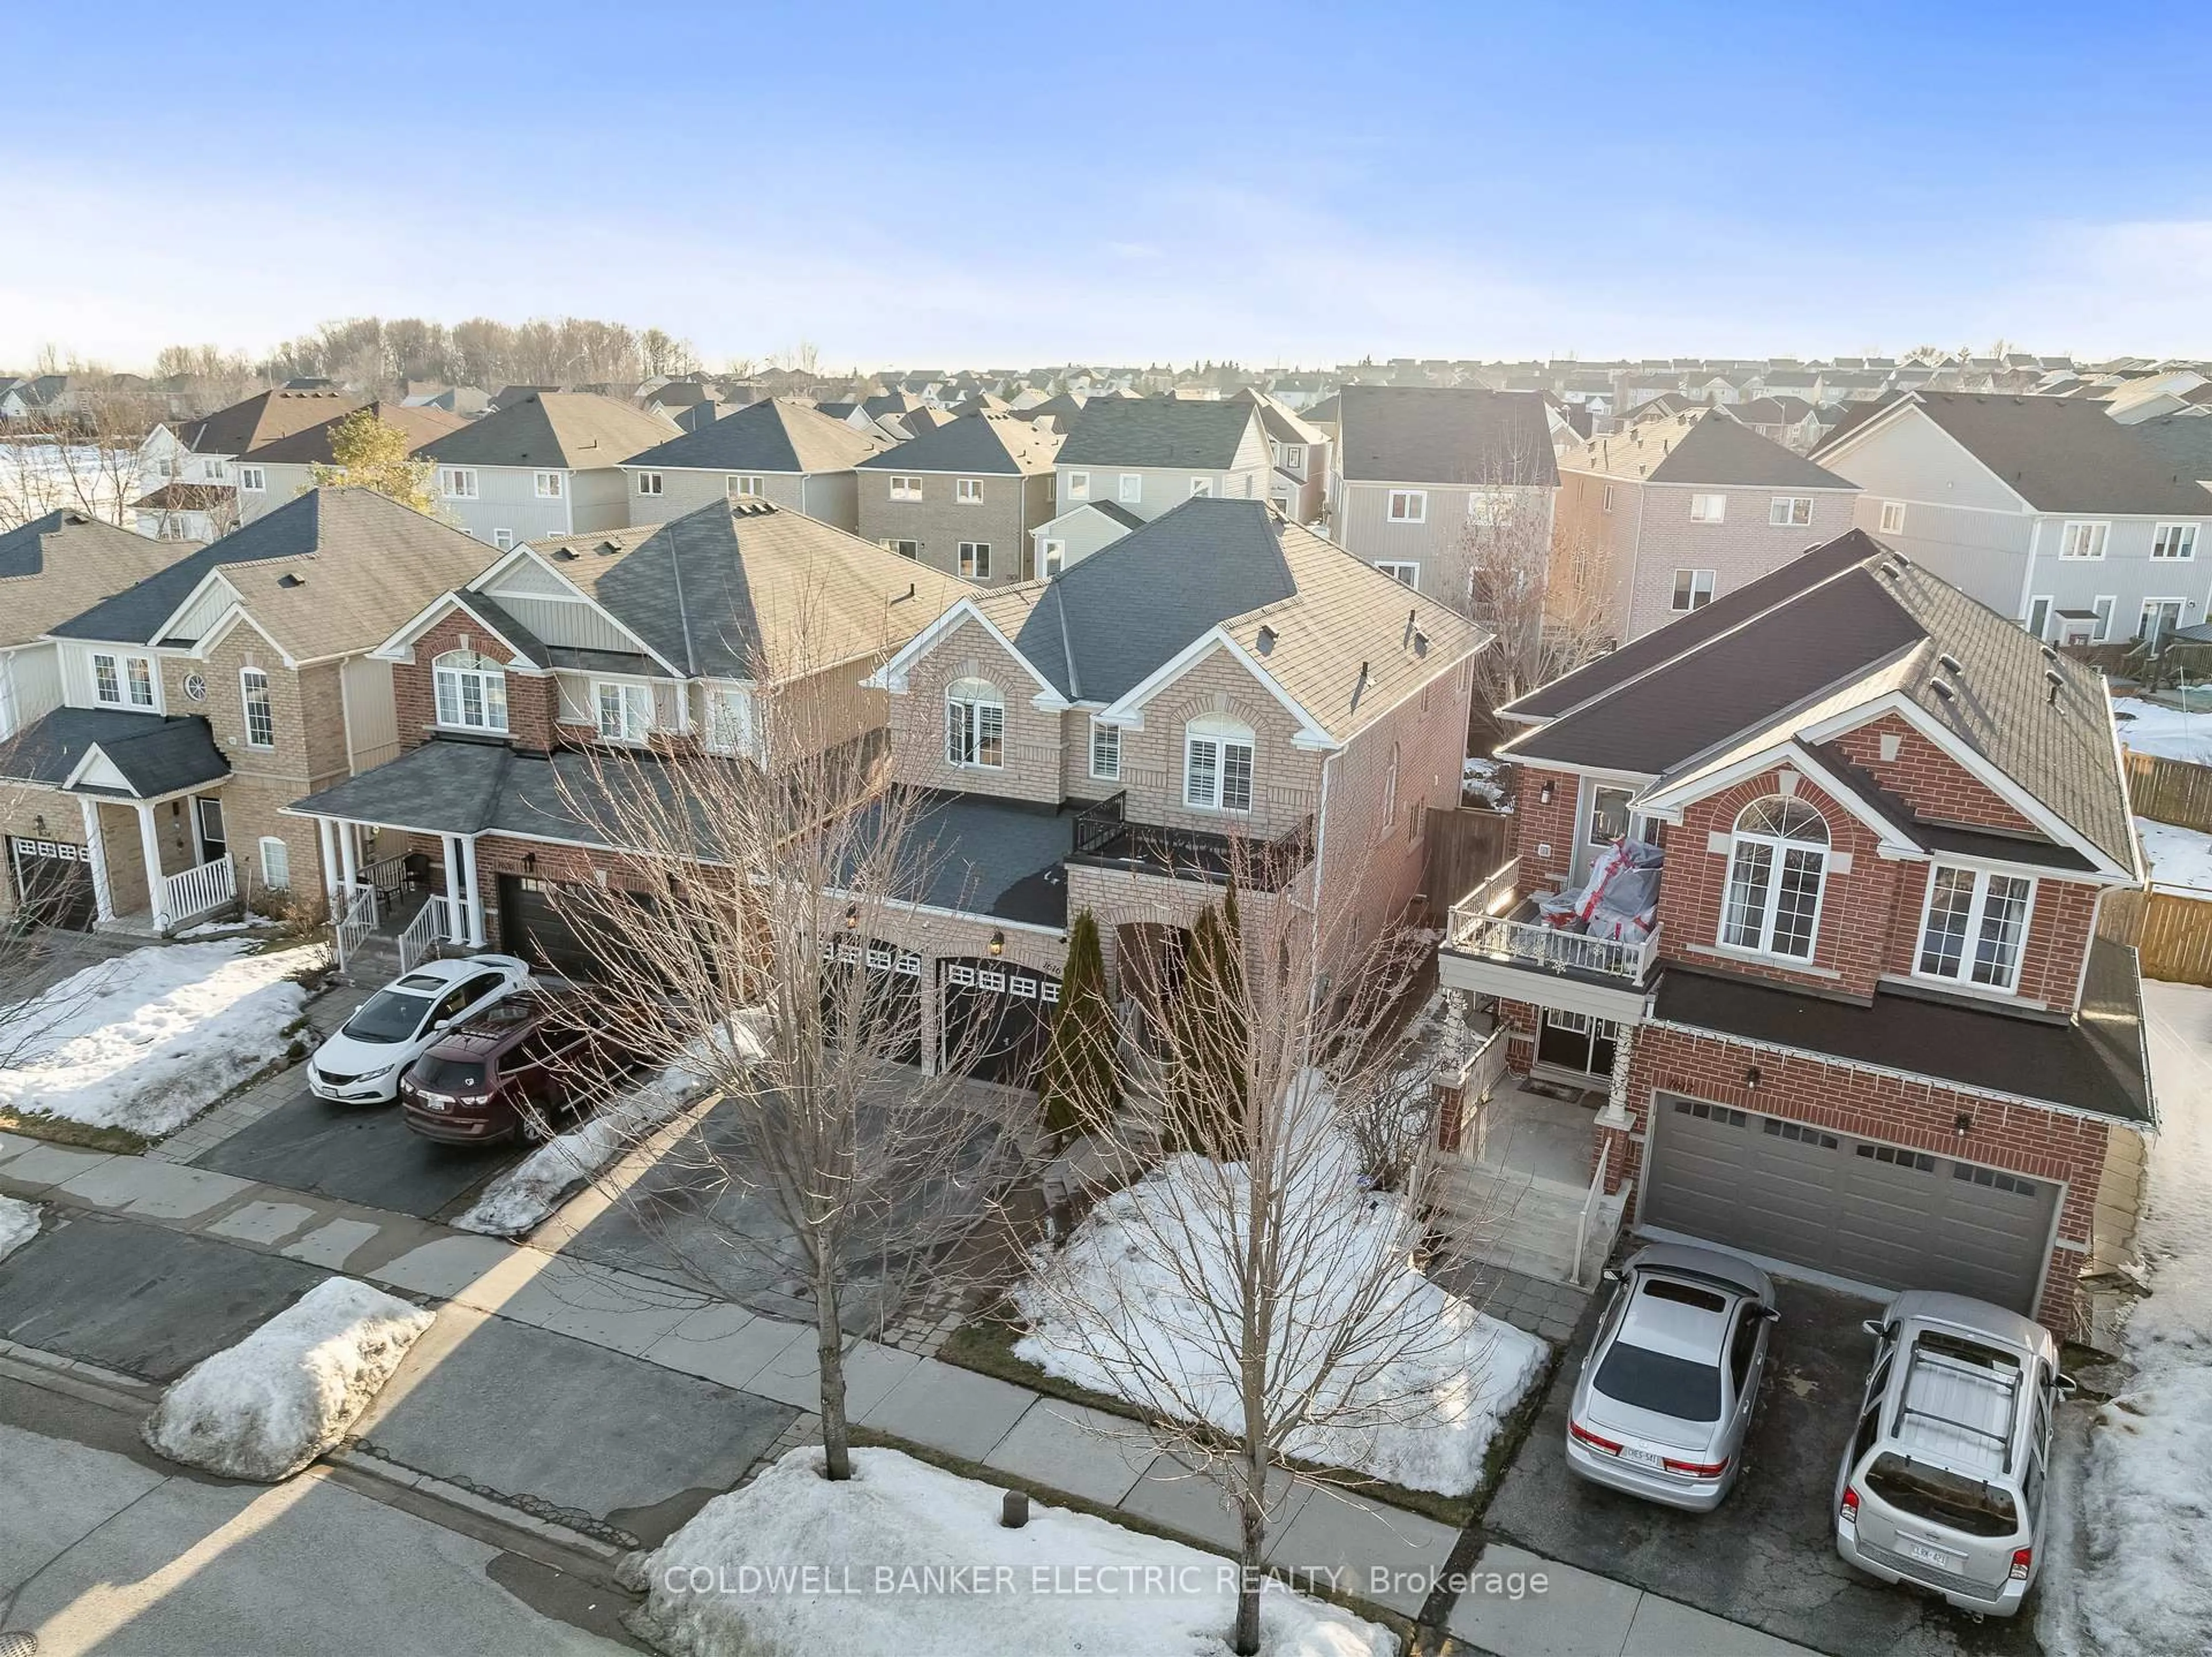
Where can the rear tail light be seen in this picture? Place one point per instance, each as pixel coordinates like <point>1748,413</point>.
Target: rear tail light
<point>1698,1469</point>
<point>1849,1513</point>
<point>1583,1434</point>
<point>2022,1558</point>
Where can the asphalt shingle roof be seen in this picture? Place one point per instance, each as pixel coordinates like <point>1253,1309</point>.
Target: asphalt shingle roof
<point>157,755</point>
<point>1443,435</point>
<point>57,566</point>
<point>1702,445</point>
<point>1156,431</point>
<point>773,435</point>
<point>975,444</point>
<point>262,418</point>
<point>567,430</point>
<point>311,446</point>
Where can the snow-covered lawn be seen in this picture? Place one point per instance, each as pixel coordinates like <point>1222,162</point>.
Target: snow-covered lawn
<point>2155,728</point>
<point>2138,1582</point>
<point>1418,1410</point>
<point>19,1223</point>
<point>2178,856</point>
<point>149,1040</point>
<point>268,1406</point>
<point>904,1559</point>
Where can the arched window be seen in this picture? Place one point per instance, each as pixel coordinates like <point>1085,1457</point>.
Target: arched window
<point>1217,764</point>
<point>1777,862</point>
<point>974,723</point>
<point>471,691</point>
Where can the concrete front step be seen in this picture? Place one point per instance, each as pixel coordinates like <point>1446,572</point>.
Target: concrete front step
<point>1525,1223</point>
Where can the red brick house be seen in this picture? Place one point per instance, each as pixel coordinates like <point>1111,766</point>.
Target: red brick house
<point>1857,1020</point>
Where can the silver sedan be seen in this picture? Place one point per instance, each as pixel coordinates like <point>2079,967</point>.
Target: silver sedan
<point>1665,1396</point>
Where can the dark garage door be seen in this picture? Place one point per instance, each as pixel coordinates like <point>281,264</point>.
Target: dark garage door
<point>894,1001</point>
<point>536,924</point>
<point>1878,1214</point>
<point>997,1018</point>
<point>54,878</point>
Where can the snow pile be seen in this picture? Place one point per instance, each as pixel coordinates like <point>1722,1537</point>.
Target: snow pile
<point>149,1040</point>
<point>19,1223</point>
<point>2178,856</point>
<point>902,1558</point>
<point>2142,1586</point>
<point>268,1406</point>
<point>2153,728</point>
<point>1479,784</point>
<point>1143,1304</point>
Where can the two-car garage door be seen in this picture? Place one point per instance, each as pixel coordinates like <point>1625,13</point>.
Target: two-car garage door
<point>1873,1213</point>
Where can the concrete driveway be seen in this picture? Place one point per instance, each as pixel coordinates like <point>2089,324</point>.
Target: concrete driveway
<point>357,1154</point>
<point>1766,1557</point>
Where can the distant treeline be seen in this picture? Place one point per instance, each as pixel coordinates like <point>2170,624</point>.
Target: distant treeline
<point>572,351</point>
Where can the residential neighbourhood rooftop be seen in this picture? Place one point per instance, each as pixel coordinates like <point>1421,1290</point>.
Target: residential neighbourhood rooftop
<point>996,442</point>
<point>1156,431</point>
<point>1422,435</point>
<point>773,435</point>
<point>567,430</point>
<point>1699,446</point>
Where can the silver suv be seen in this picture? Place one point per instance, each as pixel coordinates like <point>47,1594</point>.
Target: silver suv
<point>1943,1485</point>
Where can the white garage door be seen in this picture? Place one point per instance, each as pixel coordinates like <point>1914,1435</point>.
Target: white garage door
<point>1878,1214</point>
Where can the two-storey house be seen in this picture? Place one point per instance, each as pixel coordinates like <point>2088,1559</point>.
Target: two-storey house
<point>649,641</point>
<point>964,498</point>
<point>193,493</point>
<point>1149,454</point>
<point>268,477</point>
<point>1217,691</point>
<point>2043,507</point>
<point>542,463</point>
<point>198,703</point>
<point>1300,453</point>
<point>1667,515</point>
<point>1421,472</point>
<point>779,450</point>
<point>1806,891</point>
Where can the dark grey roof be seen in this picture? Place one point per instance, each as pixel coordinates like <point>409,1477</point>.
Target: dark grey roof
<point>986,857</point>
<point>1703,446</point>
<point>570,431</point>
<point>1443,435</point>
<point>157,755</point>
<point>1156,431</point>
<point>973,443</point>
<point>2184,440</point>
<point>2092,1063</point>
<point>773,435</point>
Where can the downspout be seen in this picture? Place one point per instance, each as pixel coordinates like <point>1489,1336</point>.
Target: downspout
<point>1313,946</point>
<point>2028,577</point>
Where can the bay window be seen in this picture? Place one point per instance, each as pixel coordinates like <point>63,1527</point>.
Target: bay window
<point>1777,861</point>
<point>625,711</point>
<point>1973,927</point>
<point>974,724</point>
<point>471,691</point>
<point>1217,764</point>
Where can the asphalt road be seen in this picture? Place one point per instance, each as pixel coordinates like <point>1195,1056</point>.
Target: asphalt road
<point>357,1154</point>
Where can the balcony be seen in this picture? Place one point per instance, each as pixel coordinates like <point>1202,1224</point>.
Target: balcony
<point>1497,942</point>
<point>1105,838</point>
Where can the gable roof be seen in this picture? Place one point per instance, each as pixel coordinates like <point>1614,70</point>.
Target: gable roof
<point>2057,454</point>
<point>1699,446</point>
<point>1856,614</point>
<point>565,429</point>
<point>1156,431</point>
<point>311,445</point>
<point>776,434</point>
<point>331,571</point>
<point>59,565</point>
<point>153,755</point>
<point>1443,435</point>
<point>715,590</point>
<point>975,443</point>
<point>264,417</point>
<point>2184,440</point>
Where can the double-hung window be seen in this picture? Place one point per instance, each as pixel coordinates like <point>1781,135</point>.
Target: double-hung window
<point>1707,508</point>
<point>974,724</point>
<point>1079,485</point>
<point>967,491</point>
<point>1217,764</point>
<point>905,487</point>
<point>1693,590</point>
<point>1105,752</point>
<point>2083,541</point>
<point>2173,541</point>
<point>548,484</point>
<point>1409,506</point>
<point>1778,860</point>
<point>458,483</point>
<point>648,483</point>
<point>976,560</point>
<point>471,691</point>
<point>1130,488</point>
<point>1892,517</point>
<point>1795,511</point>
<point>253,480</point>
<point>1974,926</point>
<point>625,711</point>
<point>123,681</point>
<point>260,712</point>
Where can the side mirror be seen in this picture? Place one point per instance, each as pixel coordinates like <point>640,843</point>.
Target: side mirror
<point>1612,1274</point>
<point>2067,1385</point>
<point>1771,1313</point>
<point>1875,1327</point>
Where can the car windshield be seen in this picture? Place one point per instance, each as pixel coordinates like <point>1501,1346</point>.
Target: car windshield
<point>388,1015</point>
<point>1945,1498</point>
<point>450,1075</point>
<point>1660,1382</point>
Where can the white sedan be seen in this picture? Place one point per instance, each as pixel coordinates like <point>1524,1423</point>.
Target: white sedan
<point>361,1062</point>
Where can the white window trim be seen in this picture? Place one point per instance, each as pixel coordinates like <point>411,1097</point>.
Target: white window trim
<point>1764,950</point>
<point>247,703</point>
<point>1097,731</point>
<point>632,730</point>
<point>1053,557</point>
<point>280,877</point>
<point>1130,490</point>
<point>458,483</point>
<point>744,483</point>
<point>2179,529</point>
<point>2103,634</point>
<point>1079,485</point>
<point>253,480</point>
<point>1712,583</point>
<point>1964,978</point>
<point>1892,521</point>
<point>1200,486</point>
<point>1416,506</point>
<point>969,725</point>
<point>967,491</point>
<point>502,539</point>
<point>1393,567</point>
<point>1221,743</point>
<point>2050,608</point>
<point>486,677</point>
<point>905,486</point>
<point>905,545</point>
<point>652,483</point>
<point>975,560</point>
<point>1707,508</point>
<point>2179,603</point>
<point>2096,530</point>
<point>548,485</point>
<point>1782,510</point>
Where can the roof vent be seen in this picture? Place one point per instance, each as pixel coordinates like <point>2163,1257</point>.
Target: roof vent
<point>1420,642</point>
<point>1943,689</point>
<point>564,555</point>
<point>2054,681</point>
<point>1949,664</point>
<point>1889,567</point>
<point>902,597</point>
<point>608,546</point>
<point>1264,641</point>
<point>291,580</point>
<point>2051,656</point>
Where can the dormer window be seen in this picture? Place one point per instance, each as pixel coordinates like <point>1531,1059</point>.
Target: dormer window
<point>122,681</point>
<point>471,691</point>
<point>974,724</point>
<point>1777,861</point>
<point>1217,764</point>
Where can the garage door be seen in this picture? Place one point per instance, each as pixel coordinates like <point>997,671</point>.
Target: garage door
<point>1875,1213</point>
<point>536,924</point>
<point>893,1007</point>
<point>997,1019</point>
<point>53,879</point>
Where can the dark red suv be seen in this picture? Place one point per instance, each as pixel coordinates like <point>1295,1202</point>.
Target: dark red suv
<point>530,1060</point>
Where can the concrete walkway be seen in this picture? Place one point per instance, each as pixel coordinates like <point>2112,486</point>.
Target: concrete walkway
<point>1515,1604</point>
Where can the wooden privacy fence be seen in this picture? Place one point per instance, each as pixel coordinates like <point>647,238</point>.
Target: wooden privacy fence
<point>2170,791</point>
<point>1465,847</point>
<point>2171,933</point>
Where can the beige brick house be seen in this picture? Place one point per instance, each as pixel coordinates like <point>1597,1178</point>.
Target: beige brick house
<point>963,498</point>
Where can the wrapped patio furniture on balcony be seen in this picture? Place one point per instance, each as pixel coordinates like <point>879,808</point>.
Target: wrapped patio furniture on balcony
<point>1619,901</point>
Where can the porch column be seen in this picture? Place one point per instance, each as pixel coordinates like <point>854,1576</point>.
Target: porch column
<point>95,848</point>
<point>348,856</point>
<point>149,841</point>
<point>325,839</point>
<point>456,922</point>
<point>476,894</point>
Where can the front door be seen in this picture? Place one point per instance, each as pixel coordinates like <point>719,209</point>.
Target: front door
<point>1577,1042</point>
<point>213,843</point>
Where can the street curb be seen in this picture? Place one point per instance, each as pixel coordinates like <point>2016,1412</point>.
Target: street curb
<point>438,1489</point>
<point>87,1382</point>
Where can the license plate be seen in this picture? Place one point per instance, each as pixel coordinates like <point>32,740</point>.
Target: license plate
<point>1941,1558</point>
<point>1636,1458</point>
<point>435,1102</point>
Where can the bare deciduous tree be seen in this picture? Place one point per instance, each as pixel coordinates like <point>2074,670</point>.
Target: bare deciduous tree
<point>84,458</point>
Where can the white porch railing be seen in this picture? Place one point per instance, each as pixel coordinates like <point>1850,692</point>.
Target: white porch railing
<point>420,940</point>
<point>1591,1205</point>
<point>385,875</point>
<point>200,890</point>
<point>355,920</point>
<point>1482,924</point>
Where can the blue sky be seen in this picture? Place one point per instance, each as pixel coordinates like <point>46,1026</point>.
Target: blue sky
<point>1004,185</point>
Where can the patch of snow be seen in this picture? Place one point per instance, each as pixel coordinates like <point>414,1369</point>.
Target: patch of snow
<point>268,1406</point>
<point>1143,1302</point>
<point>1479,783</point>
<point>147,1041</point>
<point>2178,856</point>
<point>2153,728</point>
<point>2138,1581</point>
<point>929,1568</point>
<point>228,928</point>
<point>19,1223</point>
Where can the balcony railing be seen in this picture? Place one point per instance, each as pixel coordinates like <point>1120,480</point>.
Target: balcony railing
<point>1490,920</point>
<point>1103,835</point>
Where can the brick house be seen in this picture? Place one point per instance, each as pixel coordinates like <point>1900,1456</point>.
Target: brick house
<point>193,705</point>
<point>650,641</point>
<point>1110,739</point>
<point>964,498</point>
<point>1677,510</point>
<point>787,452</point>
<point>1867,1027</point>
